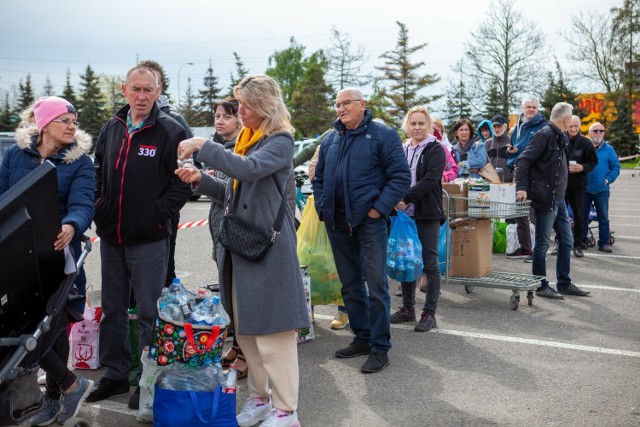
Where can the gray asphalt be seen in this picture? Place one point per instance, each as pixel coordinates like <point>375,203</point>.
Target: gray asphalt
<point>556,363</point>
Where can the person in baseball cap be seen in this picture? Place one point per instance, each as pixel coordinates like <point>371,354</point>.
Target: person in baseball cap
<point>497,147</point>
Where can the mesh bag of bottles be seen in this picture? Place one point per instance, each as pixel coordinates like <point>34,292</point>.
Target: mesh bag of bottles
<point>404,250</point>
<point>314,251</point>
<point>186,330</point>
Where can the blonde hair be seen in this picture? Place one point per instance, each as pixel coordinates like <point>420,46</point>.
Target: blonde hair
<point>417,109</point>
<point>262,94</point>
<point>439,124</point>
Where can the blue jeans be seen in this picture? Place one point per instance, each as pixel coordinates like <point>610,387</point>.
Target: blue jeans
<point>364,251</point>
<point>558,220</point>
<point>601,202</point>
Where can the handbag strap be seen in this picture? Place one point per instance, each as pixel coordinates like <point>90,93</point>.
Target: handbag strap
<point>213,336</point>
<point>277,224</point>
<point>214,405</point>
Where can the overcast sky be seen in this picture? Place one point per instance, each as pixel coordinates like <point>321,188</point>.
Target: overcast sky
<point>45,38</point>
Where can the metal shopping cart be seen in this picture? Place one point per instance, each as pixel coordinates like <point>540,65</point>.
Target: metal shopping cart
<point>462,209</point>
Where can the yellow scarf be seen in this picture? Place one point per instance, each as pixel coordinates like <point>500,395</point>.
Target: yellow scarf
<point>245,140</point>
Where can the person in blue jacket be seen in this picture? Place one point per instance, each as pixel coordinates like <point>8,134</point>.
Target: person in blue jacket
<point>485,130</point>
<point>599,181</point>
<point>361,175</point>
<point>471,154</point>
<point>54,136</point>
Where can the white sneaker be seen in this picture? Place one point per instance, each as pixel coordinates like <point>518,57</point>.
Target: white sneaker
<point>42,379</point>
<point>278,418</point>
<point>253,410</point>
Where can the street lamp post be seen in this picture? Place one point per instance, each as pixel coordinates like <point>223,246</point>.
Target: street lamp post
<point>179,70</point>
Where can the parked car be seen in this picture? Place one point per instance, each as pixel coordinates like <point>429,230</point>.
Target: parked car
<point>7,139</point>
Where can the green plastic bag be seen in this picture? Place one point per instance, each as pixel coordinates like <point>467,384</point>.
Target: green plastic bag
<point>499,237</point>
<point>314,251</point>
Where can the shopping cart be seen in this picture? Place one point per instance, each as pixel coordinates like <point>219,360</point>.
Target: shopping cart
<point>20,395</point>
<point>459,209</point>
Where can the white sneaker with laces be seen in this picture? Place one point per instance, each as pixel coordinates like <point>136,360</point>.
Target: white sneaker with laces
<point>278,418</point>
<point>253,410</point>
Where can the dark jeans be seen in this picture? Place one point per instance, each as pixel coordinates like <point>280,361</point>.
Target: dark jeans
<point>575,198</point>
<point>54,362</point>
<point>171,266</point>
<point>364,250</point>
<point>601,202</point>
<point>428,233</point>
<point>558,219</point>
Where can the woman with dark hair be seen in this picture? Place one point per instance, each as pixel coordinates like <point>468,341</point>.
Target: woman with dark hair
<point>266,298</point>
<point>471,155</point>
<point>50,133</point>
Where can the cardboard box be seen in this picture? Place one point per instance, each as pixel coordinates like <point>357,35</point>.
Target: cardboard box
<point>492,200</point>
<point>458,194</point>
<point>471,248</point>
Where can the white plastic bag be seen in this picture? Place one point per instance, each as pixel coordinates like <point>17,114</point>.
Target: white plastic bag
<point>512,237</point>
<point>85,335</point>
<point>150,372</point>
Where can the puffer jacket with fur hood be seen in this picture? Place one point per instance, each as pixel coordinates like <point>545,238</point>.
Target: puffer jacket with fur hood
<point>74,168</point>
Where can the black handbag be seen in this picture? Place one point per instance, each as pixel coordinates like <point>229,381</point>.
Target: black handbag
<point>245,239</point>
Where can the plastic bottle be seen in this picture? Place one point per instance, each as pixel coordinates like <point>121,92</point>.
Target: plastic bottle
<point>221,317</point>
<point>187,164</point>
<point>231,381</point>
<point>203,313</point>
<point>184,377</point>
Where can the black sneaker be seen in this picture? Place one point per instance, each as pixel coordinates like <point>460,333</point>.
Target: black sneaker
<point>356,348</point>
<point>376,362</point>
<point>107,388</point>
<point>548,292</point>
<point>555,251</point>
<point>426,323</point>
<point>573,290</point>
<point>577,252</point>
<point>134,399</point>
<point>404,314</point>
<point>605,248</point>
<point>519,254</point>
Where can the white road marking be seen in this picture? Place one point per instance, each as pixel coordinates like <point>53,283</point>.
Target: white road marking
<point>608,288</point>
<point>504,338</point>
<point>110,405</point>
<point>604,255</point>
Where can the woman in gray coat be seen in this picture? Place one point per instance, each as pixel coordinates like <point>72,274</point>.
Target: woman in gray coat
<point>266,298</point>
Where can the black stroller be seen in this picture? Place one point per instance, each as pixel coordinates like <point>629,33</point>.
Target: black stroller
<point>20,394</point>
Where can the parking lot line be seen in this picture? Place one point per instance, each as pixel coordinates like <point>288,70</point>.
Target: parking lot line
<point>609,288</point>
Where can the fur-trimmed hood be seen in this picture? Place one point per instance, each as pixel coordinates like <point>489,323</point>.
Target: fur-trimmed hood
<point>27,136</point>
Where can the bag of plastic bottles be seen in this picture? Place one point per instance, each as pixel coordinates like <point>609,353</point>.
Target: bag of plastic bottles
<point>404,250</point>
<point>443,256</point>
<point>314,251</point>
<point>187,331</point>
<point>150,372</point>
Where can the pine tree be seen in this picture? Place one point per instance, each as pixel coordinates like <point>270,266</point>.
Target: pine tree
<point>621,133</point>
<point>559,91</point>
<point>189,109</point>
<point>402,83</point>
<point>241,72</point>
<point>26,96</point>
<point>68,92</point>
<point>344,65</point>
<point>379,104</point>
<point>91,104</point>
<point>208,96</point>
<point>48,89</point>
<point>458,103</point>
<point>493,104</point>
<point>311,114</point>
<point>286,67</point>
<point>113,97</point>
<point>7,118</point>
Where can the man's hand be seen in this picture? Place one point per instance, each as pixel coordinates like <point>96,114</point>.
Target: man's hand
<point>64,237</point>
<point>373,213</point>
<point>511,149</point>
<point>577,168</point>
<point>521,196</point>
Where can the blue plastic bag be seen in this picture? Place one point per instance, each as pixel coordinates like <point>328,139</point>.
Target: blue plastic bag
<point>404,250</point>
<point>194,408</point>
<point>443,256</point>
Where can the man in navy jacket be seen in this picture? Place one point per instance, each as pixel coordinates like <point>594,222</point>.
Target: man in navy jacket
<point>361,174</point>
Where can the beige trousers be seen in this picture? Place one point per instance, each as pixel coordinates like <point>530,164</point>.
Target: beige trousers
<point>272,361</point>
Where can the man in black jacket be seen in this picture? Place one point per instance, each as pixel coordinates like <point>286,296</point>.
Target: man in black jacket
<point>137,194</point>
<point>582,159</point>
<point>541,176</point>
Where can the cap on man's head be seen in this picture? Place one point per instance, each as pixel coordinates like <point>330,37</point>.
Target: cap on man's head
<point>48,108</point>
<point>499,120</point>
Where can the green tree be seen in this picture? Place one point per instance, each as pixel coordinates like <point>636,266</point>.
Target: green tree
<point>402,84</point>
<point>7,118</point>
<point>493,103</point>
<point>345,66</point>
<point>241,72</point>
<point>559,91</point>
<point>621,132</point>
<point>458,103</point>
<point>25,94</point>
<point>112,89</point>
<point>378,104</point>
<point>189,108</point>
<point>207,97</point>
<point>91,104</point>
<point>310,102</point>
<point>68,92</point>
<point>286,67</point>
<point>506,49</point>
<point>48,89</point>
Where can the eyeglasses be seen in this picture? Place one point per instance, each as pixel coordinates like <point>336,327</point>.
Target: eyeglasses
<point>346,103</point>
<point>67,122</point>
<point>597,130</point>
